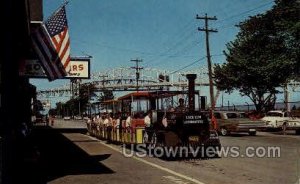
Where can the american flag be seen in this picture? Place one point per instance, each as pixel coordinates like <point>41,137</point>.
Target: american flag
<point>52,44</point>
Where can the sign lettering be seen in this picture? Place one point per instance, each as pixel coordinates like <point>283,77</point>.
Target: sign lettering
<point>78,68</point>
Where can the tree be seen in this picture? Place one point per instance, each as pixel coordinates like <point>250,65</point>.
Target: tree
<point>286,16</point>
<point>75,106</point>
<point>86,92</point>
<point>262,57</point>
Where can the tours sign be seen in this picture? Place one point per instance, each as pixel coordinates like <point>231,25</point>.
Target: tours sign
<point>79,68</point>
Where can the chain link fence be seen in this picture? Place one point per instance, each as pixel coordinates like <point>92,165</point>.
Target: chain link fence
<point>251,107</point>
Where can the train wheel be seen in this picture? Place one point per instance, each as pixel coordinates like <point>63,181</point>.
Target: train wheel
<point>224,131</point>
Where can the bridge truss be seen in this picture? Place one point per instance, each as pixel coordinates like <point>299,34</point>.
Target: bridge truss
<point>125,79</point>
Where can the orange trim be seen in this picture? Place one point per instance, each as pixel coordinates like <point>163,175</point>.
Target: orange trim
<point>141,94</point>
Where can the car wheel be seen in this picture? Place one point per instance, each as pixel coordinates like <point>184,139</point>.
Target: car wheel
<point>224,131</point>
<point>252,133</point>
<point>284,127</point>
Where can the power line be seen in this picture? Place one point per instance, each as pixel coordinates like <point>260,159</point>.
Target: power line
<point>182,30</point>
<point>230,17</point>
<point>183,50</point>
<point>171,48</point>
<point>242,13</point>
<point>194,62</point>
<point>186,48</point>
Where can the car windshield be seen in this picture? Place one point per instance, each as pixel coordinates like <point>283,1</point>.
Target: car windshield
<point>274,114</point>
<point>232,115</point>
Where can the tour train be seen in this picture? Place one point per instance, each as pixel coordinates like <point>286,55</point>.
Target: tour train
<point>169,127</point>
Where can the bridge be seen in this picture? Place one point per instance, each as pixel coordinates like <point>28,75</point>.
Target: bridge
<point>125,79</point>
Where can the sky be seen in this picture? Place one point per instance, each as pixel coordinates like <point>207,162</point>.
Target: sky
<point>163,33</point>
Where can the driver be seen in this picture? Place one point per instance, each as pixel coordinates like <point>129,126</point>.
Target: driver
<point>181,107</point>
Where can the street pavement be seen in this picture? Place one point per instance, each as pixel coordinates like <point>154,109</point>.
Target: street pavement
<point>76,157</point>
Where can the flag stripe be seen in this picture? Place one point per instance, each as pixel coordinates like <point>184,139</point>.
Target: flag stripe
<point>61,68</point>
<point>67,61</point>
<point>62,39</point>
<point>57,39</point>
<point>39,50</point>
<point>55,42</point>
<point>46,42</point>
<point>64,42</point>
<point>52,45</point>
<point>65,49</point>
<point>44,65</point>
<point>45,50</point>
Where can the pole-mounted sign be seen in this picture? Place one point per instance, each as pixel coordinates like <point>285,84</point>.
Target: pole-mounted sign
<point>79,68</point>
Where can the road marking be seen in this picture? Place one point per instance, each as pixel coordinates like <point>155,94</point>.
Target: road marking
<point>175,180</point>
<point>152,164</point>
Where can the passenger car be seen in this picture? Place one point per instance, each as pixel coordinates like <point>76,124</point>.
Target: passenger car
<point>276,119</point>
<point>293,124</point>
<point>67,118</point>
<point>228,122</point>
<point>78,118</point>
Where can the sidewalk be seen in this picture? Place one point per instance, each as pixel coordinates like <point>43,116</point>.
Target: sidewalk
<point>50,155</point>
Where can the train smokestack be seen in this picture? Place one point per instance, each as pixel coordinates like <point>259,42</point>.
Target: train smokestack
<point>191,78</point>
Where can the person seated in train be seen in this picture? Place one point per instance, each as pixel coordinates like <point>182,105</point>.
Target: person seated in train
<point>101,121</point>
<point>97,122</point>
<point>106,120</point>
<point>110,117</point>
<point>128,121</point>
<point>181,107</point>
<point>164,121</point>
<point>147,119</point>
<point>118,120</point>
<point>109,126</point>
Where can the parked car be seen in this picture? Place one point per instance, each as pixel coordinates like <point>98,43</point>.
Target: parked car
<point>276,119</point>
<point>292,124</point>
<point>78,118</point>
<point>231,121</point>
<point>67,118</point>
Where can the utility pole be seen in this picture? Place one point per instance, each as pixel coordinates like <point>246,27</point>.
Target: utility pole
<point>137,71</point>
<point>207,31</point>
